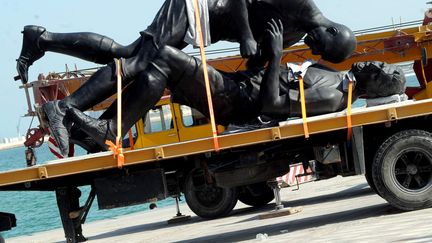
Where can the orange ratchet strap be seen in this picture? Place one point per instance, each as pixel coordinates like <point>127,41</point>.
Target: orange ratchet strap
<point>349,109</point>
<point>303,107</point>
<point>206,78</point>
<point>117,148</point>
<point>131,140</point>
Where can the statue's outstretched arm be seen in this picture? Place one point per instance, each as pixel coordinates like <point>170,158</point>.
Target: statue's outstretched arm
<point>272,103</point>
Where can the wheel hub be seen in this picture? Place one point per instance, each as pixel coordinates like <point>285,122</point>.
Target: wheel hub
<point>209,195</point>
<point>412,169</point>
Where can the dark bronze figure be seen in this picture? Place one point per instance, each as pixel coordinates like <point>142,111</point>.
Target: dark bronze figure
<point>242,96</point>
<point>242,21</point>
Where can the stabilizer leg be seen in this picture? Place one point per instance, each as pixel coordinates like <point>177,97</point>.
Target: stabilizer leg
<point>279,210</point>
<point>68,201</point>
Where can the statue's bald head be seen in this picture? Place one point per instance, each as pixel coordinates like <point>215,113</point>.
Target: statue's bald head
<point>378,79</point>
<point>335,43</point>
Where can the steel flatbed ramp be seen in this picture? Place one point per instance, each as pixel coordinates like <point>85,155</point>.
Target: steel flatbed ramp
<point>285,130</point>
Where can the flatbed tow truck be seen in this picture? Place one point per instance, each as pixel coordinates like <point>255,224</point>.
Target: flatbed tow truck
<point>172,149</point>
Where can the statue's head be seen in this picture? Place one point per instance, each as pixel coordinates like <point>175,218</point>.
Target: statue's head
<point>378,79</point>
<point>335,43</point>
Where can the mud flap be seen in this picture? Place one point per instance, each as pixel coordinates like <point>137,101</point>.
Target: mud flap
<point>131,189</point>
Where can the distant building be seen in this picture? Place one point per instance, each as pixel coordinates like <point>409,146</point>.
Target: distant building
<point>12,140</point>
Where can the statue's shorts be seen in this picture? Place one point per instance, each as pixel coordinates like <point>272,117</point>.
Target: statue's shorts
<point>168,28</point>
<point>169,25</point>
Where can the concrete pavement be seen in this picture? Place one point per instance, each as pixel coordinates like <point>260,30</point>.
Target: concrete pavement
<point>335,210</point>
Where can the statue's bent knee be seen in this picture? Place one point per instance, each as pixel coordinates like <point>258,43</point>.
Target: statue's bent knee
<point>168,53</point>
<point>169,56</point>
<point>170,60</point>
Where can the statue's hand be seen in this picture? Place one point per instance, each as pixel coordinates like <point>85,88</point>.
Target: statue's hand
<point>275,35</point>
<point>248,48</point>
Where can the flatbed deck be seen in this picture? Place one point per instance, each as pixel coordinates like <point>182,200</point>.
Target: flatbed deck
<point>285,130</point>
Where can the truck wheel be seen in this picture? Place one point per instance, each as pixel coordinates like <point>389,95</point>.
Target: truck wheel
<point>402,170</point>
<point>256,195</point>
<point>209,201</point>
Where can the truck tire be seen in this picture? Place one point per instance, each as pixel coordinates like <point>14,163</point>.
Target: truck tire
<point>370,151</point>
<point>402,170</point>
<point>370,180</point>
<point>209,201</point>
<point>371,183</point>
<point>256,195</point>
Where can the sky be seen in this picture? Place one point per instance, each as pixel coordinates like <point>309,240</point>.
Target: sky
<point>122,21</point>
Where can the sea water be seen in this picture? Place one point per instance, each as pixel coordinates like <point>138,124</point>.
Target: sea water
<point>37,211</point>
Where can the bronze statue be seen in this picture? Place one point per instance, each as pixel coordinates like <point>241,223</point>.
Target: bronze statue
<point>243,21</point>
<point>242,96</point>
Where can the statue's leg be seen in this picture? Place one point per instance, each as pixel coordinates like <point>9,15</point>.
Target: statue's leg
<point>99,87</point>
<point>138,98</point>
<point>80,138</point>
<point>88,46</point>
<point>102,85</point>
<point>170,61</point>
<point>169,68</point>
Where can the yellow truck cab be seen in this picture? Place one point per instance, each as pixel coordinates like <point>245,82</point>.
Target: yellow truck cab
<point>169,123</point>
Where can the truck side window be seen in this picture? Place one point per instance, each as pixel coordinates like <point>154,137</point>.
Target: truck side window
<point>192,117</point>
<point>158,119</point>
